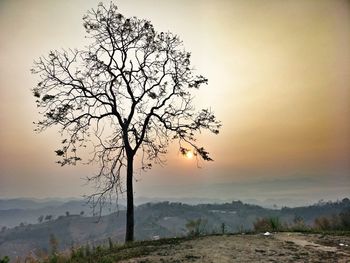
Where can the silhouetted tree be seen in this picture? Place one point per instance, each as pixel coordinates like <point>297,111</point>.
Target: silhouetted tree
<point>127,92</point>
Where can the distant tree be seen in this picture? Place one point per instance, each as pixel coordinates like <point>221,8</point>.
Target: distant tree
<point>40,219</point>
<point>345,201</point>
<point>48,217</point>
<point>321,202</point>
<point>3,229</point>
<point>128,92</point>
<point>82,213</point>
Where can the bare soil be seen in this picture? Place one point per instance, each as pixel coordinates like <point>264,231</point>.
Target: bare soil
<point>279,247</point>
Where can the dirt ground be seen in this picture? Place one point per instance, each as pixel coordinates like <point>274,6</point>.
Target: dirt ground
<point>279,247</point>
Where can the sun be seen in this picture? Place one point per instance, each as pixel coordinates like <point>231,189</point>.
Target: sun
<point>189,155</point>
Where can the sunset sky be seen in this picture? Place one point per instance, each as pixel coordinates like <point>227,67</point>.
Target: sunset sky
<point>279,80</point>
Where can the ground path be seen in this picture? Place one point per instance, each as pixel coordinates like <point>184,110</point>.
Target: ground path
<point>280,247</point>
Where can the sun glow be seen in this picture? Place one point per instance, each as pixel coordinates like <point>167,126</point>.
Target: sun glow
<point>189,155</point>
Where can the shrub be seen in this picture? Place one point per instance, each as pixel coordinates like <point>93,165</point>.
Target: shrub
<point>267,224</point>
<point>5,259</point>
<point>335,222</point>
<point>261,225</point>
<point>275,223</point>
<point>298,225</point>
<point>345,219</point>
<point>196,227</point>
<point>322,223</point>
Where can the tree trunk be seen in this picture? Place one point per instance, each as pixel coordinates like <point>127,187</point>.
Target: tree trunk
<point>129,235</point>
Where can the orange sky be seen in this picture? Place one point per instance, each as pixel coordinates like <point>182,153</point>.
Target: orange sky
<point>279,79</point>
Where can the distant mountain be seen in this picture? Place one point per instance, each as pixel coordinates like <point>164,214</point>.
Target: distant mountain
<point>164,219</point>
<point>186,200</point>
<point>278,203</point>
<point>267,203</point>
<point>26,203</point>
<point>16,211</point>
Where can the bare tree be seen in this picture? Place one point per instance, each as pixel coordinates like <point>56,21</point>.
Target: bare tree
<point>128,93</point>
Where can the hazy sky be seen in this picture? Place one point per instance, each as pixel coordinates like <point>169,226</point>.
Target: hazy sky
<point>279,79</point>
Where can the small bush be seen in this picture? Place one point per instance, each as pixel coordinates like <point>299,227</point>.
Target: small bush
<point>267,224</point>
<point>262,225</point>
<point>345,219</point>
<point>275,223</point>
<point>196,227</point>
<point>322,223</point>
<point>298,225</point>
<point>5,259</point>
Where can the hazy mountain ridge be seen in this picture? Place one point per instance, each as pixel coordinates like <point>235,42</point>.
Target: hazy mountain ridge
<point>13,212</point>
